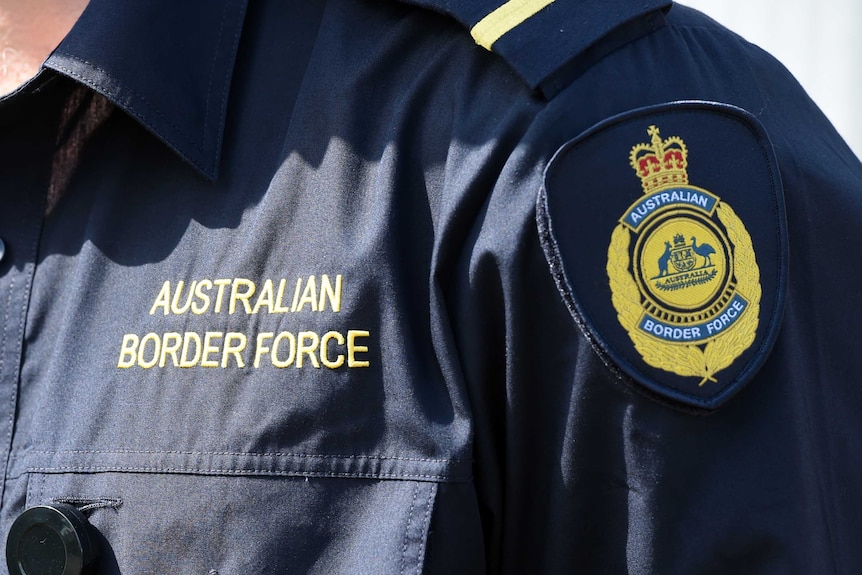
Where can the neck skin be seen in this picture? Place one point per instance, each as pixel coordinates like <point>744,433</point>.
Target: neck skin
<point>29,32</point>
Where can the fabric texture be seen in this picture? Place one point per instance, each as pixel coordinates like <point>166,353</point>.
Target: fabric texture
<point>274,300</point>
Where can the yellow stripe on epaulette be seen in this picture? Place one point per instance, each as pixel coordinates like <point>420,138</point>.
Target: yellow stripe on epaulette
<point>505,18</point>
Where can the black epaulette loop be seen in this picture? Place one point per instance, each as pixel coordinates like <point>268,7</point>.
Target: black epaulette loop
<point>548,42</point>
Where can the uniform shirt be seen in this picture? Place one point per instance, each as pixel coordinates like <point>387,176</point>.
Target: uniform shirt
<point>276,295</point>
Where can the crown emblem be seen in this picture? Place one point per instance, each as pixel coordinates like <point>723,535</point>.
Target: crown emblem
<point>679,240</point>
<point>661,163</point>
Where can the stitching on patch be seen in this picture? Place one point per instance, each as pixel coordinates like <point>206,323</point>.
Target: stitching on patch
<point>237,454</point>
<point>228,74</point>
<point>87,504</point>
<point>425,526</point>
<point>2,366</point>
<point>6,321</point>
<point>192,470</point>
<point>406,539</point>
<point>15,377</point>
<point>213,69</point>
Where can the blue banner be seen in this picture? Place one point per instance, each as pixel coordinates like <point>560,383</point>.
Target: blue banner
<point>689,196</point>
<point>696,333</point>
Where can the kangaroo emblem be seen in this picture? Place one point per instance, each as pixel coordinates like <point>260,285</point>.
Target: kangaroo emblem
<point>663,260</point>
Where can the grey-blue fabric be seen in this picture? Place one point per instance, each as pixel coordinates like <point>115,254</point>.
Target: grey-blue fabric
<point>274,300</point>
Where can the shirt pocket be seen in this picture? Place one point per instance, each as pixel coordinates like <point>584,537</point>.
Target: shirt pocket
<point>235,524</point>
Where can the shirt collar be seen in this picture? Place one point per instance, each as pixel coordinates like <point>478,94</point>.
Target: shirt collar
<point>169,64</point>
<point>171,71</point>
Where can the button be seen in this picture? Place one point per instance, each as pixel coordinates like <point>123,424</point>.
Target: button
<point>49,540</point>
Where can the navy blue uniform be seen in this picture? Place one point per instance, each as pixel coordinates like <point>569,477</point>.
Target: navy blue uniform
<point>340,287</point>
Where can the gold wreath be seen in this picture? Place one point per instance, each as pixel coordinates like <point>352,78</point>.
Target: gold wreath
<point>689,360</point>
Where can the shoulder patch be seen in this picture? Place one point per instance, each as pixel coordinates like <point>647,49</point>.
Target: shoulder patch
<point>665,230</point>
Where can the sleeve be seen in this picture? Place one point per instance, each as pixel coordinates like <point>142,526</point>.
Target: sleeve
<point>580,465</point>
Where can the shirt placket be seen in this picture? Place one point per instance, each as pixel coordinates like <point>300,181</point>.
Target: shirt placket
<point>25,155</point>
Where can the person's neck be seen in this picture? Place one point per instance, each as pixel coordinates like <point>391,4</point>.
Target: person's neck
<point>29,32</point>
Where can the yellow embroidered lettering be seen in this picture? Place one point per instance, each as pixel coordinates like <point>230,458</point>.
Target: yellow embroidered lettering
<point>203,297</point>
<point>235,350</point>
<point>237,295</point>
<point>214,349</point>
<point>210,349</point>
<point>309,295</point>
<point>191,337</point>
<point>175,307</point>
<point>222,283</point>
<point>327,291</point>
<point>296,294</point>
<point>128,351</point>
<point>171,343</point>
<point>324,357</point>
<point>353,349</point>
<point>280,297</point>
<point>261,348</point>
<point>307,349</point>
<point>275,345</point>
<point>265,298</point>
<point>163,300</point>
<point>150,337</point>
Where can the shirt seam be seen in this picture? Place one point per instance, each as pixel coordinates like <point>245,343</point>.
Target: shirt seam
<point>238,454</point>
<point>239,472</point>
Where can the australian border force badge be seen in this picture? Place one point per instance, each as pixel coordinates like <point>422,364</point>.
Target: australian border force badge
<point>695,265</point>
<point>683,274</point>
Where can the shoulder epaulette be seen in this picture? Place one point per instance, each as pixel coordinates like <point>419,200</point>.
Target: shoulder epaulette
<point>540,38</point>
